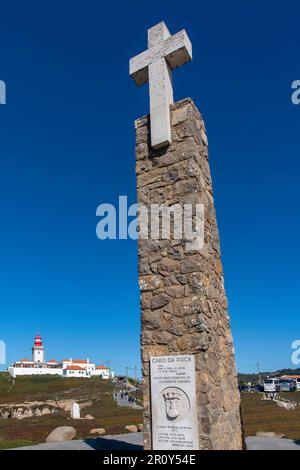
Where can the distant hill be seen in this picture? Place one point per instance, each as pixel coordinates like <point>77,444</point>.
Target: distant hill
<point>243,377</point>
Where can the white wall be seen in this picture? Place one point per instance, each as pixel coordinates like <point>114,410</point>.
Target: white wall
<point>76,373</point>
<point>38,355</point>
<point>99,372</point>
<point>15,371</point>
<point>19,371</point>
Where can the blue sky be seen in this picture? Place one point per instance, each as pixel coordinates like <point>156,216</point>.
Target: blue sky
<point>67,145</point>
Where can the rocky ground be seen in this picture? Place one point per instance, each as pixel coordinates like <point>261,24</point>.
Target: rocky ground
<point>32,407</point>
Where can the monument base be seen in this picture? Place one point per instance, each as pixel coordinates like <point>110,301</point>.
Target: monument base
<point>183,301</point>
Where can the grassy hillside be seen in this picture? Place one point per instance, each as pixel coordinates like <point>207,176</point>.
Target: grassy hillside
<point>259,415</point>
<point>35,429</point>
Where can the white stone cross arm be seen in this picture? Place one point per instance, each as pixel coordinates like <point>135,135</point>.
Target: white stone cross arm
<point>155,65</point>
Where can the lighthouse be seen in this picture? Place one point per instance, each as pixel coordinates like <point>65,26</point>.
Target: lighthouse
<point>38,351</point>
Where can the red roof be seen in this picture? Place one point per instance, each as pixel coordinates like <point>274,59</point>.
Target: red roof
<point>25,360</point>
<point>74,368</point>
<point>76,361</point>
<point>101,367</point>
<point>52,361</point>
<point>290,376</point>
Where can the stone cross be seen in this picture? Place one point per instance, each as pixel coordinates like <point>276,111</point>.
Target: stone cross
<point>155,65</point>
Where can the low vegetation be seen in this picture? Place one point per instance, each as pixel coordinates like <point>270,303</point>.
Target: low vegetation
<point>293,397</point>
<point>95,392</point>
<point>258,415</point>
<point>267,416</point>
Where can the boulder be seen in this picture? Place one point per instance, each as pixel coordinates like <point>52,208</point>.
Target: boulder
<point>98,431</point>
<point>89,417</point>
<point>62,433</point>
<point>66,408</point>
<point>131,428</point>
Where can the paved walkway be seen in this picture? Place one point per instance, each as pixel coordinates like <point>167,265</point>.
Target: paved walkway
<point>124,402</point>
<point>134,441</point>
<point>271,443</point>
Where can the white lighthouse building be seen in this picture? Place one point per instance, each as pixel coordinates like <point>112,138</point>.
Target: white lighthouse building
<point>82,368</point>
<point>38,351</point>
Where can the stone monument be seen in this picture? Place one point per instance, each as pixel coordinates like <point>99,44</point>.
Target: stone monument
<point>191,398</point>
<point>75,411</point>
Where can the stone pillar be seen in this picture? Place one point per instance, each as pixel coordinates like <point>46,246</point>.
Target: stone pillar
<point>183,301</point>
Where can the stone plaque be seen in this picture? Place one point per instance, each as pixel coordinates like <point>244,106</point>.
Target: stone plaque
<point>173,403</point>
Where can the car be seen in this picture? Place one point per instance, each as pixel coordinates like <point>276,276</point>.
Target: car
<point>287,385</point>
<point>244,388</point>
<point>297,384</point>
<point>250,388</point>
